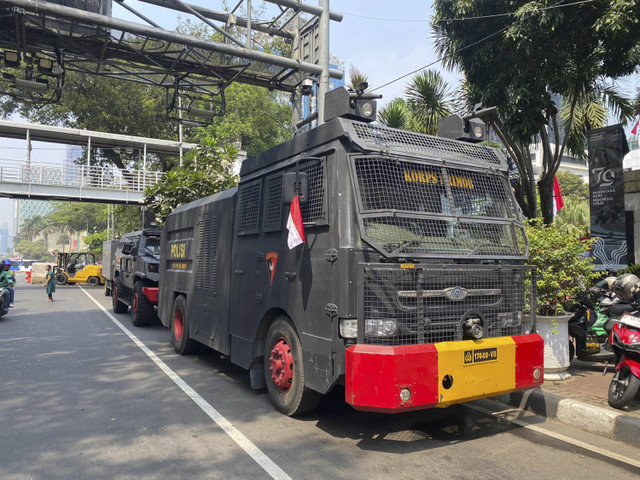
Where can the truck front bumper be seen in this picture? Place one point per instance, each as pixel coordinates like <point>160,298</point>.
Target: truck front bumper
<point>395,379</point>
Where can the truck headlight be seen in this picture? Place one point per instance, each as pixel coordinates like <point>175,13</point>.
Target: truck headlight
<point>348,328</point>
<point>378,327</point>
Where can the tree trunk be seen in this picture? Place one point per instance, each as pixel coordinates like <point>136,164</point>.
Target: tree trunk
<point>545,188</point>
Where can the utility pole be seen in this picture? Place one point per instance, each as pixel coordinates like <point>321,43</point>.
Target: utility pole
<point>323,53</point>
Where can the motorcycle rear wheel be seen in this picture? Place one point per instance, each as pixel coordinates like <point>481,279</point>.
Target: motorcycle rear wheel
<point>623,388</point>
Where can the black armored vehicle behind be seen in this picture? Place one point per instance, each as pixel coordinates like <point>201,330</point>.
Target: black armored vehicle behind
<point>411,289</point>
<point>133,276</point>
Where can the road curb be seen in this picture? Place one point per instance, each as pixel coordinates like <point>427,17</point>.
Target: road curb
<point>597,420</point>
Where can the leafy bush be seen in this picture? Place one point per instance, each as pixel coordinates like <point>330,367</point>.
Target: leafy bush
<point>563,272</point>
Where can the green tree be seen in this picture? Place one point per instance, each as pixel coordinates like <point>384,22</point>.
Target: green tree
<point>427,99</point>
<point>103,104</point>
<point>254,120</point>
<point>206,170</point>
<point>574,217</point>
<point>36,250</point>
<point>395,114</point>
<point>94,242</point>
<point>356,77</point>
<point>573,185</point>
<point>522,56</point>
<point>31,227</point>
<point>77,217</point>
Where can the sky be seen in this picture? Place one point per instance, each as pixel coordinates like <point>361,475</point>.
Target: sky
<point>382,39</point>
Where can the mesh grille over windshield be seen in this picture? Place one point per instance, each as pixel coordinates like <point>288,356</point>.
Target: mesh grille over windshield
<point>413,208</point>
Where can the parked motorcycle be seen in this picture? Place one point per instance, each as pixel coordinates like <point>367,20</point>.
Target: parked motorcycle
<point>3,306</point>
<point>625,341</point>
<point>593,321</point>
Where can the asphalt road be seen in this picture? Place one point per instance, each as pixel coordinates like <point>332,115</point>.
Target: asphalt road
<point>82,399</point>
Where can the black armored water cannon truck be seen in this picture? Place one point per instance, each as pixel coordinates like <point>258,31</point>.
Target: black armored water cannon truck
<point>387,262</point>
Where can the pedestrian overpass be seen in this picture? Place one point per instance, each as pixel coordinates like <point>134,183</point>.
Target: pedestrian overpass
<point>80,181</point>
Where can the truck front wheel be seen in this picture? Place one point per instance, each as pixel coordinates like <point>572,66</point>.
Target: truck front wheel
<point>284,370</point>
<point>118,289</point>
<point>180,340</point>
<point>142,312</point>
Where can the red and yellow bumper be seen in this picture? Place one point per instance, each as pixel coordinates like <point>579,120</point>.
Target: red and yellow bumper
<point>412,377</point>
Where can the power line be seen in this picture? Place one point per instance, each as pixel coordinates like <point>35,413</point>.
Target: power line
<point>555,5</point>
<point>461,19</point>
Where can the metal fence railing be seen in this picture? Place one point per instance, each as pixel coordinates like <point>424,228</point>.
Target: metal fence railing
<point>79,176</point>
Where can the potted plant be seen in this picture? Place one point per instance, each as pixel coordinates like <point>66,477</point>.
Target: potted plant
<point>563,271</point>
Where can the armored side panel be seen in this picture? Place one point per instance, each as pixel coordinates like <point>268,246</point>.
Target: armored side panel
<point>195,262</point>
<point>108,254</point>
<point>304,283</point>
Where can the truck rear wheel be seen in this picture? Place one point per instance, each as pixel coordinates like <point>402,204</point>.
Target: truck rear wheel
<point>284,370</point>
<point>142,311</point>
<point>180,340</point>
<point>118,306</point>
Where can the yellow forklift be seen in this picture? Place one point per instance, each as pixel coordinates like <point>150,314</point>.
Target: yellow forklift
<point>78,267</point>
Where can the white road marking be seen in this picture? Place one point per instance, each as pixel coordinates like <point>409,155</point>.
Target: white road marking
<point>559,436</point>
<point>254,452</point>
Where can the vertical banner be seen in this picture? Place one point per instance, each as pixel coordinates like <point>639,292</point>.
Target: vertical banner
<point>607,148</point>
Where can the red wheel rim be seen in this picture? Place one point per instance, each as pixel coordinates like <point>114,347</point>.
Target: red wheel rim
<point>114,294</point>
<point>178,327</point>
<point>134,307</point>
<point>281,365</point>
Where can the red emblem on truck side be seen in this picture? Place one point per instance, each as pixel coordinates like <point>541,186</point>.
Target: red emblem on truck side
<point>272,260</point>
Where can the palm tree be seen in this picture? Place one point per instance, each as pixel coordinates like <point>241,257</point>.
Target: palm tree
<point>31,227</point>
<point>590,110</point>
<point>429,99</point>
<point>395,115</point>
<point>356,77</point>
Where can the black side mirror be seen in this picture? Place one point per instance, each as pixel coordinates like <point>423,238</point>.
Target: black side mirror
<point>126,249</point>
<point>293,184</point>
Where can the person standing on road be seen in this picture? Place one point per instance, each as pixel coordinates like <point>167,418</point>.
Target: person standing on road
<point>7,281</point>
<point>49,283</point>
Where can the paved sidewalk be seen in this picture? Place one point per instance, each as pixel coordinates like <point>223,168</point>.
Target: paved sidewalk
<point>581,401</point>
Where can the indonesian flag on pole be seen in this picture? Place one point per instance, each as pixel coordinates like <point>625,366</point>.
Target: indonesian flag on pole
<point>294,225</point>
<point>558,202</point>
<point>635,129</point>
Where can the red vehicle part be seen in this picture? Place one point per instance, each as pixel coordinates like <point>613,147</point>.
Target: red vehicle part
<point>626,336</point>
<point>394,379</point>
<point>151,293</point>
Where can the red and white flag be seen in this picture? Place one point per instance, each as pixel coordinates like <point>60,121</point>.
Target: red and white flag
<point>558,202</point>
<point>635,128</point>
<point>294,225</point>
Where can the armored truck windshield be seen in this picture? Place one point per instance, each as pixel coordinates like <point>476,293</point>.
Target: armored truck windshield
<point>430,207</point>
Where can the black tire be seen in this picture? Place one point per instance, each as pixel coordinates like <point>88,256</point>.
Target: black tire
<point>118,306</point>
<point>62,279</point>
<point>572,350</point>
<point>93,281</point>
<point>284,370</point>
<point>182,343</point>
<point>623,388</point>
<point>142,311</point>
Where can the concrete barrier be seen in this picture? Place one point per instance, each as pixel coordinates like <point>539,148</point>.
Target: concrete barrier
<point>38,272</point>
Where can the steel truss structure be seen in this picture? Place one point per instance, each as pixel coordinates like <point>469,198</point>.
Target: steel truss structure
<point>42,40</point>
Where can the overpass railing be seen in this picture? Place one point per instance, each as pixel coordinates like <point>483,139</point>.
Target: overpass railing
<point>79,176</point>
